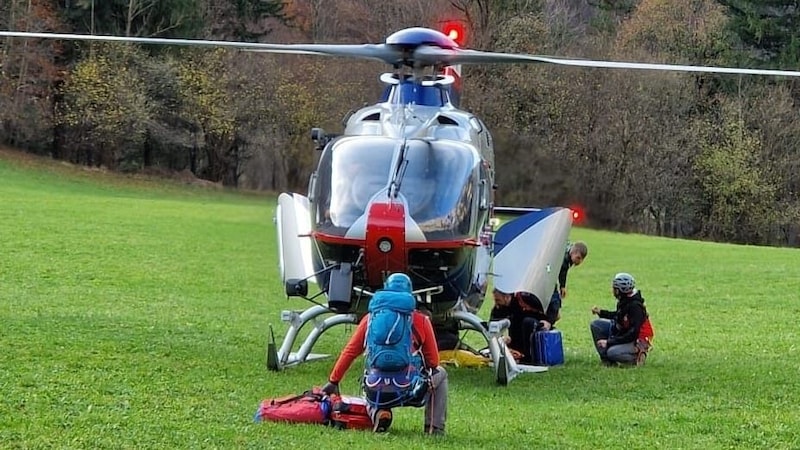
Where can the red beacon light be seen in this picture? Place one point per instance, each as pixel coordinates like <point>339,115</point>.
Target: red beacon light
<point>455,31</point>
<point>577,214</point>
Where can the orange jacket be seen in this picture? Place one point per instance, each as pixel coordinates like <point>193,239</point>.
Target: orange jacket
<point>355,346</point>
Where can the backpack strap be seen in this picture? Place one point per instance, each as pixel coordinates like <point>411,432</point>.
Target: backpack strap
<point>415,336</point>
<point>281,401</point>
<point>312,393</point>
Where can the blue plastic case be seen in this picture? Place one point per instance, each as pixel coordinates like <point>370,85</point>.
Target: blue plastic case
<point>549,348</point>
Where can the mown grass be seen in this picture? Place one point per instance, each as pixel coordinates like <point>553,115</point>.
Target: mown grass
<point>134,314</point>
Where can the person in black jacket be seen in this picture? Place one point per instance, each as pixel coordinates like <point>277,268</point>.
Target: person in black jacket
<point>573,256</point>
<point>525,313</point>
<point>620,335</point>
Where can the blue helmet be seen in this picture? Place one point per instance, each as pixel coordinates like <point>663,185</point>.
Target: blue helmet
<point>624,283</point>
<point>398,282</point>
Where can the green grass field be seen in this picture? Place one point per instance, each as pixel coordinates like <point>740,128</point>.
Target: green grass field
<point>134,314</point>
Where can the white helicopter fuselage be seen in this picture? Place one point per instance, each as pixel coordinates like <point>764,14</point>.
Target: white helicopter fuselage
<point>435,118</point>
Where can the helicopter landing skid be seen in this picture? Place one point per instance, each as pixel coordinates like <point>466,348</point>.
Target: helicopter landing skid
<point>277,359</point>
<point>505,367</point>
<point>504,364</point>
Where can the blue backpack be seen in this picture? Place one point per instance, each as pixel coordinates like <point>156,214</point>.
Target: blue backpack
<point>389,332</point>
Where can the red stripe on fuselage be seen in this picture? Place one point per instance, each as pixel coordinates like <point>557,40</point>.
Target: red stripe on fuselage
<point>385,221</point>
<point>335,239</point>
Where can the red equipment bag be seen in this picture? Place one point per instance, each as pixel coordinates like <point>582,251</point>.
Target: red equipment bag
<point>350,412</point>
<point>309,407</point>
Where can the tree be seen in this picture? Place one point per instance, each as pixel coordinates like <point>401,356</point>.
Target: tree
<point>163,18</point>
<point>770,110</point>
<point>767,29</point>
<point>484,17</point>
<point>202,76</point>
<point>104,109</point>
<point>248,20</point>
<point>685,31</point>
<point>738,192</point>
<point>361,20</point>
<point>29,71</point>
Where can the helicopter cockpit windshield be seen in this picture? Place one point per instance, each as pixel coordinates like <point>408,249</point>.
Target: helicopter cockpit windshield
<point>436,182</point>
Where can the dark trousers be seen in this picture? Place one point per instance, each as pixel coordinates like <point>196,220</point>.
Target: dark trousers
<point>522,333</point>
<point>554,308</point>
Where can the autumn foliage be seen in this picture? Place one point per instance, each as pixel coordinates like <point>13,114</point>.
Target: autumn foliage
<point>673,154</point>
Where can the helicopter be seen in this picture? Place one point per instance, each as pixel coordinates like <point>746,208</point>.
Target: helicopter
<point>409,186</point>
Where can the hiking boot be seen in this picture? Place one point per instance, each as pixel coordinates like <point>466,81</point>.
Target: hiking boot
<point>608,363</point>
<point>382,421</point>
<point>641,358</point>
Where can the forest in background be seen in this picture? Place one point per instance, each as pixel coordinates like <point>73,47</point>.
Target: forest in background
<point>682,155</point>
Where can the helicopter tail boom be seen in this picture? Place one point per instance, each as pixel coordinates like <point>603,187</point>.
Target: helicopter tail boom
<point>537,239</point>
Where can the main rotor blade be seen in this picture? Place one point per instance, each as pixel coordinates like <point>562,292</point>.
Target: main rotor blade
<point>424,55</point>
<point>434,55</point>
<point>380,52</point>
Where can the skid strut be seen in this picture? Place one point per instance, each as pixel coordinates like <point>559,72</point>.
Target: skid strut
<point>277,359</point>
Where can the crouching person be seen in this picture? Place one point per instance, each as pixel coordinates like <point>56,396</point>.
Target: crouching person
<point>623,335</point>
<point>524,311</point>
<point>402,358</point>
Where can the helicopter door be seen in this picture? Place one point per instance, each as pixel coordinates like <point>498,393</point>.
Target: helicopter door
<point>529,250</point>
<point>294,230</point>
<point>483,259</point>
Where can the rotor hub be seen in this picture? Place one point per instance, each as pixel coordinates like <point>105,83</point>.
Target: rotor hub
<point>412,38</point>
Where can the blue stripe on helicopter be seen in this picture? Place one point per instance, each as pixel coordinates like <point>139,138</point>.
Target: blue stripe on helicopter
<point>407,92</point>
<point>510,230</point>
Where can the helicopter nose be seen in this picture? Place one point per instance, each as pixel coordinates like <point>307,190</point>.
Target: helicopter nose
<point>385,241</point>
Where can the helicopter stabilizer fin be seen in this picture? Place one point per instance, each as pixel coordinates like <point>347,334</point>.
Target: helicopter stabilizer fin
<point>538,239</point>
